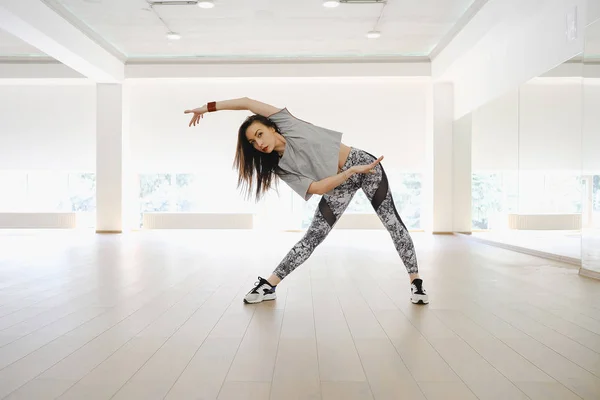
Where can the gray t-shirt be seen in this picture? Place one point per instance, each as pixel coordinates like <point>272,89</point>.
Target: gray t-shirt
<point>311,152</point>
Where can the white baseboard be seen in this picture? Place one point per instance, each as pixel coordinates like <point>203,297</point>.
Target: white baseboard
<point>539,222</point>
<point>523,250</point>
<point>589,274</point>
<point>359,221</point>
<point>57,220</point>
<point>162,220</point>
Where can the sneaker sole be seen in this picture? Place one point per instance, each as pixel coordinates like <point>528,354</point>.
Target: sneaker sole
<point>420,299</point>
<point>260,301</point>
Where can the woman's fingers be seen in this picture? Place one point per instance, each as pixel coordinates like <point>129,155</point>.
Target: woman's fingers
<point>370,168</point>
<point>374,163</point>
<point>195,119</point>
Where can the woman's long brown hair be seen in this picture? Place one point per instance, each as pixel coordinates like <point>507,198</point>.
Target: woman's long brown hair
<point>254,167</point>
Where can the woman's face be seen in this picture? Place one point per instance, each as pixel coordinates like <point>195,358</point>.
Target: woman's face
<point>261,137</point>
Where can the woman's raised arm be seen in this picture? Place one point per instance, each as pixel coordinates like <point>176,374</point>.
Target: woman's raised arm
<point>243,103</point>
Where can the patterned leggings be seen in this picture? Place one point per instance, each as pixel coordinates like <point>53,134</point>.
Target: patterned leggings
<point>331,208</point>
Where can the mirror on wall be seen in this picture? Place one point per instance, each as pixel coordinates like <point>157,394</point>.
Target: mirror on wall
<point>590,174</point>
<point>526,165</point>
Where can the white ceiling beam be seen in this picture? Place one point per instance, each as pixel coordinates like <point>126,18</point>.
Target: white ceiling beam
<point>278,70</point>
<point>30,70</point>
<point>37,24</point>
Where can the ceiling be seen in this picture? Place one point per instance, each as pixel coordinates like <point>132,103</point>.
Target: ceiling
<point>243,29</point>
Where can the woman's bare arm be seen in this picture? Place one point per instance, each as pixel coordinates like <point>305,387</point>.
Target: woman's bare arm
<point>243,103</point>
<point>260,108</point>
<point>325,185</point>
<point>331,182</point>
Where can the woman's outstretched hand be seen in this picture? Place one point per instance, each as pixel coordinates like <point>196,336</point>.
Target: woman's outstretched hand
<point>367,169</point>
<point>198,114</point>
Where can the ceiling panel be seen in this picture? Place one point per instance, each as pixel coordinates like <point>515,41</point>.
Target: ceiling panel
<point>267,28</point>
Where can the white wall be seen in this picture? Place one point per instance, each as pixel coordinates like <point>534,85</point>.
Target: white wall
<point>507,43</point>
<point>496,134</point>
<point>537,127</point>
<point>534,136</point>
<point>381,116</point>
<point>48,126</point>
<point>51,125</point>
<point>550,124</point>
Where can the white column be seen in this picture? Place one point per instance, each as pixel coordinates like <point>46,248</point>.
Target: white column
<point>439,159</point>
<point>131,184</point>
<point>461,175</point>
<point>109,159</point>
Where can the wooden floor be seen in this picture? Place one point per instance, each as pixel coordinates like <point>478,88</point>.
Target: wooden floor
<point>159,315</point>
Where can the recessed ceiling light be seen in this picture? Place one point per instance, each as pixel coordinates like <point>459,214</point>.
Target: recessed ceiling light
<point>173,36</point>
<point>374,35</point>
<point>206,4</point>
<point>331,3</point>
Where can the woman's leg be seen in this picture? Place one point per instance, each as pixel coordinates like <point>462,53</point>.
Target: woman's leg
<point>328,212</point>
<point>302,250</point>
<point>376,187</point>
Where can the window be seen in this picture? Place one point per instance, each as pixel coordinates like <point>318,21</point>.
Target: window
<point>156,193</point>
<point>543,192</point>
<point>192,193</point>
<point>82,192</point>
<point>494,195</point>
<point>206,193</point>
<point>47,191</point>
<point>14,191</point>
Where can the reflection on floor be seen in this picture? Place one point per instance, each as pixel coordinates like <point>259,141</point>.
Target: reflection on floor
<point>560,245</point>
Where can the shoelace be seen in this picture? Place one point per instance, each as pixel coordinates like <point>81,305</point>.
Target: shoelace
<point>416,289</point>
<point>258,284</point>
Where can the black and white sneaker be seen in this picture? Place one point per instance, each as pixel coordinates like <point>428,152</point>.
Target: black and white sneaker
<point>418,295</point>
<point>262,291</point>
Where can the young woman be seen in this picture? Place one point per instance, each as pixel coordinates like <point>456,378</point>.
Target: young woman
<point>312,160</point>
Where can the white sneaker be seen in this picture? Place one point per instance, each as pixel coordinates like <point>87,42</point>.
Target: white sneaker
<point>418,295</point>
<point>262,291</point>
